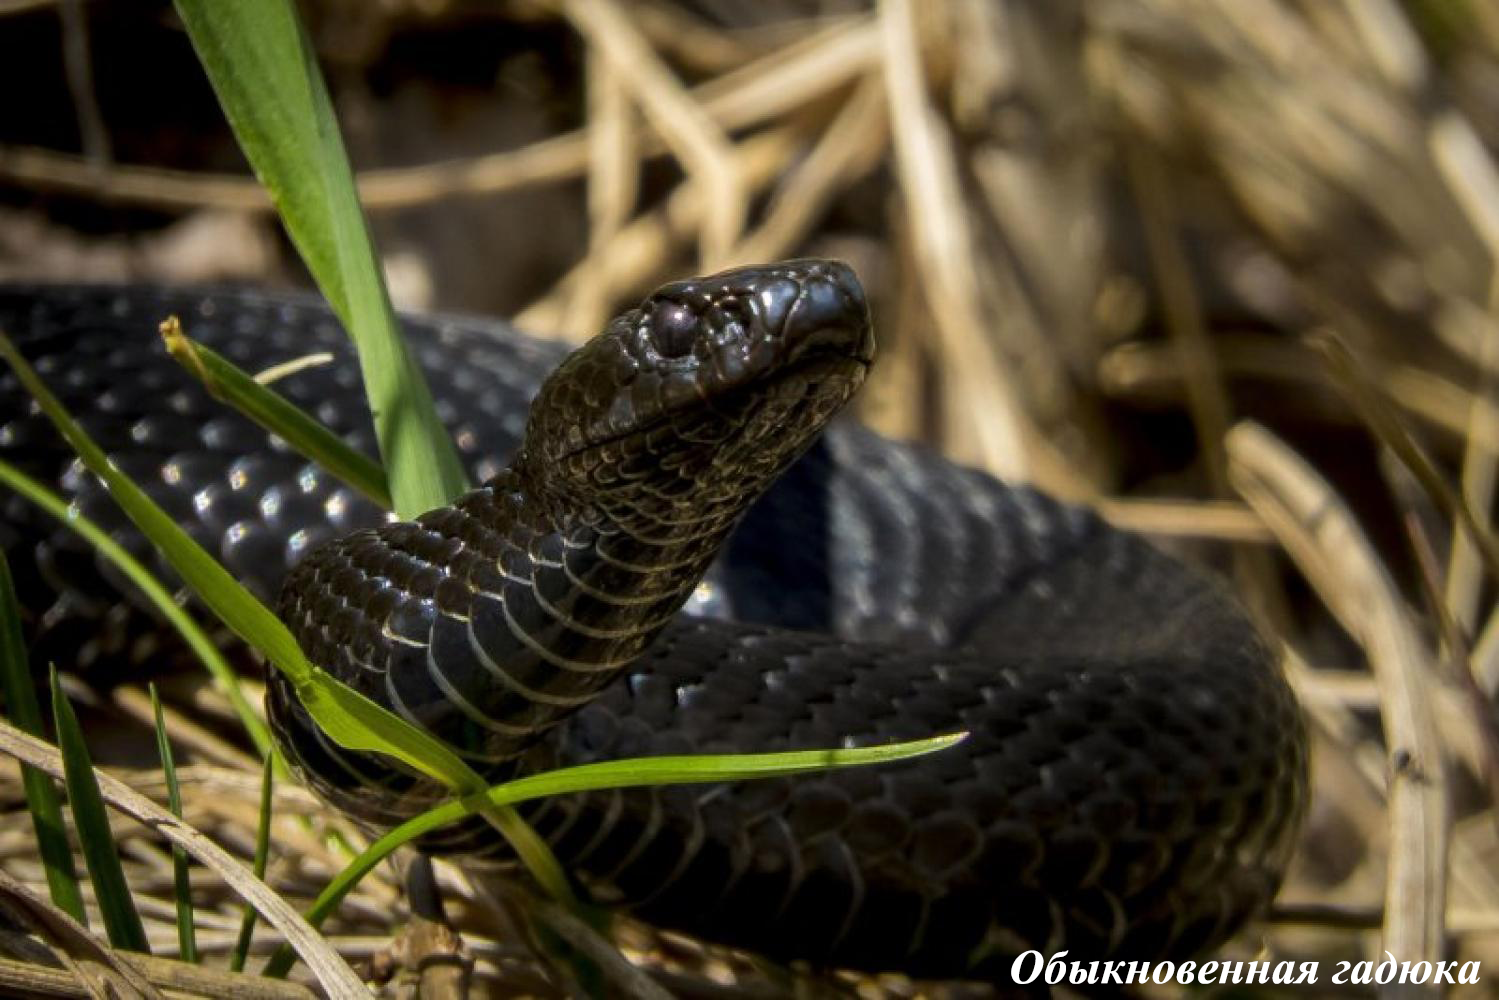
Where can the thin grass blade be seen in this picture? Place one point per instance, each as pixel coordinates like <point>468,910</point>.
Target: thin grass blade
<point>640,771</point>
<point>187,931</point>
<point>261,65</point>
<point>90,818</point>
<point>41,795</point>
<point>226,381</point>
<point>1370,403</point>
<point>348,717</point>
<point>262,857</point>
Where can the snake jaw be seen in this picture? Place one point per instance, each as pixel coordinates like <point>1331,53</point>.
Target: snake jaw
<point>708,360</point>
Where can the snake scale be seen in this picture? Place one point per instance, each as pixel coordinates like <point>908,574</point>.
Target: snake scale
<point>679,560</point>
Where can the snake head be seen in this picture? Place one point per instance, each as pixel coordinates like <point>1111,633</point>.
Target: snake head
<point>707,389</point>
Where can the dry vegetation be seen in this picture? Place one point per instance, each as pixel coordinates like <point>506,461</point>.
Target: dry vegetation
<point>1225,271</point>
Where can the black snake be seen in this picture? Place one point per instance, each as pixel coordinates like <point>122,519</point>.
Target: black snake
<point>1136,768</point>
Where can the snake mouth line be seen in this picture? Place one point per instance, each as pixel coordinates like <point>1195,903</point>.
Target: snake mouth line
<point>811,364</point>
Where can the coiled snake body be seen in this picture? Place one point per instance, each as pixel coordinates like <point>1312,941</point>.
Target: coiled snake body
<point>1136,766</point>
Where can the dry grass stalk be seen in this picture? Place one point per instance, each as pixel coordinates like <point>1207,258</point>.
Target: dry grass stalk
<point>1213,520</point>
<point>944,251</point>
<point>1152,373</point>
<point>852,145</point>
<point>703,149</point>
<point>641,249</point>
<point>332,972</point>
<point>687,41</point>
<point>1185,323</point>
<point>1358,690</point>
<point>613,181</point>
<point>25,979</point>
<point>137,705</point>
<point>83,958</point>
<point>751,95</point>
<point>1322,536</point>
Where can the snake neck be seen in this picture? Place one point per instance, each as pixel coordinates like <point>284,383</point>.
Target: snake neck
<point>620,564</point>
<point>586,589</point>
<point>503,612</point>
<point>489,621</point>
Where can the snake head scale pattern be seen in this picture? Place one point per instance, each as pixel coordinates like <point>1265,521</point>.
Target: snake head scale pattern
<point>704,393</point>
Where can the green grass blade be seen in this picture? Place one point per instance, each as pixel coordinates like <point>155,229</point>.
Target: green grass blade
<point>262,68</point>
<point>91,820</point>
<point>192,633</point>
<point>348,717</point>
<point>187,931</point>
<point>262,857</point>
<point>311,439</point>
<point>226,381</point>
<point>682,770</point>
<point>41,795</point>
<point>533,852</point>
<point>261,65</point>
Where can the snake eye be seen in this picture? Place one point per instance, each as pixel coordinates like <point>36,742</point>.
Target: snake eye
<point>674,329</point>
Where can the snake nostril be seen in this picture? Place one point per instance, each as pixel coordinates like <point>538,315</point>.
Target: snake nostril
<point>823,317</point>
<point>842,277</point>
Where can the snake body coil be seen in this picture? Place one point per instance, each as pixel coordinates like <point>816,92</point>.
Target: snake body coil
<point>1136,766</point>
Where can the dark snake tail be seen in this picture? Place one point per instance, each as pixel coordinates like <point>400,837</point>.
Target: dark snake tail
<point>668,558</point>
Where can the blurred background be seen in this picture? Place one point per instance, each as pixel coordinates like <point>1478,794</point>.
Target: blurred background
<point>1224,271</point>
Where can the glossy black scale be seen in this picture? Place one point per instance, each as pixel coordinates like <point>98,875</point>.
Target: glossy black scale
<point>1136,766</point>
